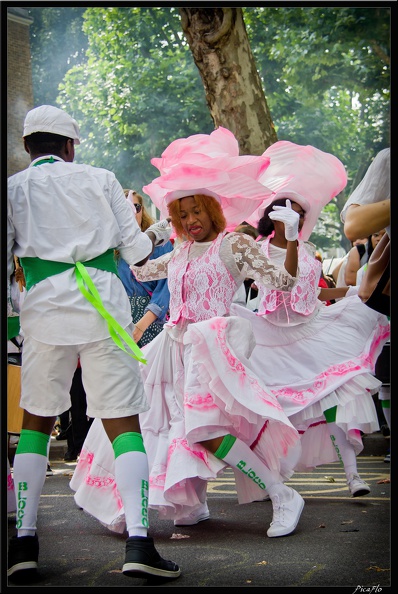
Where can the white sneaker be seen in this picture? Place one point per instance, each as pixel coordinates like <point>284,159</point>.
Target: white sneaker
<point>200,514</point>
<point>287,508</point>
<point>265,498</point>
<point>357,486</point>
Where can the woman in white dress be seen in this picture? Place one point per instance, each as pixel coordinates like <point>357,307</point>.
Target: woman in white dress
<point>318,361</point>
<point>207,408</point>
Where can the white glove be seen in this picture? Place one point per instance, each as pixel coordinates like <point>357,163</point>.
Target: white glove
<point>161,230</point>
<point>289,217</point>
<point>352,290</point>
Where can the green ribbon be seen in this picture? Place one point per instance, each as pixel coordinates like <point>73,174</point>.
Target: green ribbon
<point>115,328</point>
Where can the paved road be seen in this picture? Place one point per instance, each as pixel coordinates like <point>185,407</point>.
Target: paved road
<point>340,542</point>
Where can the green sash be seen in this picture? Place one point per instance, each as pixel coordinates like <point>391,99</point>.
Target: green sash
<point>12,327</point>
<point>36,270</point>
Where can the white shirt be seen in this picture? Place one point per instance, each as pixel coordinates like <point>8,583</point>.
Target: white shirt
<point>68,212</point>
<point>374,187</point>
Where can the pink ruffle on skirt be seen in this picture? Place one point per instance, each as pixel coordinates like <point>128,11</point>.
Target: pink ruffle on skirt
<point>325,362</point>
<point>94,480</point>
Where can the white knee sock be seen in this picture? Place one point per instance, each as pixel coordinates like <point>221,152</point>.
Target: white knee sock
<point>132,480</point>
<point>240,456</point>
<point>345,450</point>
<point>29,477</point>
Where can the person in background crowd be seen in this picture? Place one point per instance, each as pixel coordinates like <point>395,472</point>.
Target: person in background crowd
<point>372,241</point>
<point>149,301</point>
<point>366,212</point>
<point>64,222</point>
<point>357,256</point>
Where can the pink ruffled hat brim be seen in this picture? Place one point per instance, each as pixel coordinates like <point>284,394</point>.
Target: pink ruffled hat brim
<point>217,171</point>
<point>306,175</point>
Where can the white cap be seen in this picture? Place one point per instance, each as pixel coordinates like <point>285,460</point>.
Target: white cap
<point>48,118</point>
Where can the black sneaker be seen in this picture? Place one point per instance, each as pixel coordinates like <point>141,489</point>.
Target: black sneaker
<point>23,555</point>
<point>142,560</point>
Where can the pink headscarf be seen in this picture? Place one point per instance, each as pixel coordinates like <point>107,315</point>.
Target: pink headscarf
<point>210,164</point>
<point>305,175</point>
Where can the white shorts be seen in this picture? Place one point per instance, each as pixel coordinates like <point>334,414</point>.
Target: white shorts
<point>111,379</point>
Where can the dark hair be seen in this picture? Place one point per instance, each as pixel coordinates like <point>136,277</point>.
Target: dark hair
<point>369,247</point>
<point>266,225</point>
<point>45,142</point>
<point>247,229</point>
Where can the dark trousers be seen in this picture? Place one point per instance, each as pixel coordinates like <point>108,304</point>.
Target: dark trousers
<point>78,414</point>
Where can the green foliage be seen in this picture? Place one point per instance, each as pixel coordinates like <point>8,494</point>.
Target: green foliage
<point>139,90</point>
<point>327,84</point>
<point>128,76</point>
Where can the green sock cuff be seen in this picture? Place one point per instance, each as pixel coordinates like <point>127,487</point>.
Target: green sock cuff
<point>385,403</point>
<point>32,442</point>
<point>128,442</point>
<point>330,414</point>
<point>225,446</point>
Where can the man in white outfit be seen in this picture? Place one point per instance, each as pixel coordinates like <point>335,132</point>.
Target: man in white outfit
<point>64,222</point>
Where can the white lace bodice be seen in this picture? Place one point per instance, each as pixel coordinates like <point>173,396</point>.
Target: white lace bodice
<point>205,286</point>
<point>301,304</point>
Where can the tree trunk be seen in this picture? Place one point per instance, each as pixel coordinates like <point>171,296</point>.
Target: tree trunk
<point>218,41</point>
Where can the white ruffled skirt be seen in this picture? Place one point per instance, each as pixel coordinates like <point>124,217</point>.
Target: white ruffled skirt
<point>326,362</point>
<point>199,389</point>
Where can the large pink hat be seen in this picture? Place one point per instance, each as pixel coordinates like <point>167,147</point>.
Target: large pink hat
<point>305,175</point>
<point>210,164</point>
